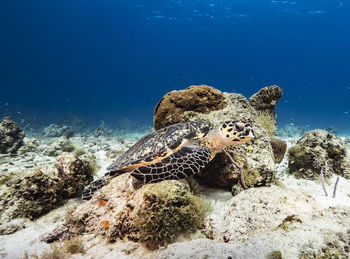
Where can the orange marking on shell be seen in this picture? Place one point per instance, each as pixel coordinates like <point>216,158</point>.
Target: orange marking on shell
<point>105,224</point>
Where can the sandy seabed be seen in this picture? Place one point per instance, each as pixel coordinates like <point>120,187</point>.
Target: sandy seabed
<point>247,228</point>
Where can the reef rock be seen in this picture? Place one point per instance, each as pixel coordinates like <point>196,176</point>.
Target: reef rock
<point>55,130</point>
<point>262,222</point>
<point>266,99</point>
<point>174,106</point>
<point>32,193</point>
<point>153,214</point>
<point>29,196</point>
<point>256,157</point>
<point>11,136</point>
<point>74,173</point>
<point>319,150</point>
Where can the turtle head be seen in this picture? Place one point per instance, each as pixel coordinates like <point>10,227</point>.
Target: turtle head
<point>235,132</point>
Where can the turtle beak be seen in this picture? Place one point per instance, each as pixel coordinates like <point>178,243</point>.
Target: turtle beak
<point>248,131</point>
<point>251,133</point>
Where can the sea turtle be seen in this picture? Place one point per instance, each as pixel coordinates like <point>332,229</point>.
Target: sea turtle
<point>174,152</point>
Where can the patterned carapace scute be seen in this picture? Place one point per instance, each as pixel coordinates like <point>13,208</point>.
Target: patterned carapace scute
<point>188,160</point>
<point>158,144</point>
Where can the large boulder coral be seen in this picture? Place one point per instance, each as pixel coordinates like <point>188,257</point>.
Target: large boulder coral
<point>154,214</point>
<point>319,150</point>
<point>256,157</point>
<point>173,107</point>
<point>11,136</point>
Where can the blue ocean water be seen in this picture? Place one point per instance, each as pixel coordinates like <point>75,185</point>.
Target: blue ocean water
<point>114,59</point>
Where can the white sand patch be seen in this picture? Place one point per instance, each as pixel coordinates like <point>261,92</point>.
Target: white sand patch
<point>28,240</point>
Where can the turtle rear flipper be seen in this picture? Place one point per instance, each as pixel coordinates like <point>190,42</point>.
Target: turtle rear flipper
<point>98,184</point>
<point>188,160</point>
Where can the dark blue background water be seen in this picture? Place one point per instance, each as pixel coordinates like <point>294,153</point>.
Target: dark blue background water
<point>107,60</point>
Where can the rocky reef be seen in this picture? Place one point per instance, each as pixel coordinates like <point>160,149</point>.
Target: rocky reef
<point>282,213</point>
<point>154,214</point>
<point>11,136</point>
<point>257,157</point>
<point>319,150</point>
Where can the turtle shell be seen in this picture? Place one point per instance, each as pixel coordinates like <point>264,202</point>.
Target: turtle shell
<point>159,145</point>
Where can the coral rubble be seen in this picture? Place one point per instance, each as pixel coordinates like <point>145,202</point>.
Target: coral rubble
<point>63,144</point>
<point>55,130</point>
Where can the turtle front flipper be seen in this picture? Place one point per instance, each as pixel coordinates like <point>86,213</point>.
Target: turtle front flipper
<point>98,184</point>
<point>188,160</point>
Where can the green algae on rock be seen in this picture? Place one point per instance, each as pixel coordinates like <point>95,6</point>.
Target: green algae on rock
<point>168,210</point>
<point>33,193</point>
<point>154,214</point>
<point>319,150</point>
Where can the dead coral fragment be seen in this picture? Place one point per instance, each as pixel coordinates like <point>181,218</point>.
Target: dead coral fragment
<point>168,210</point>
<point>285,225</point>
